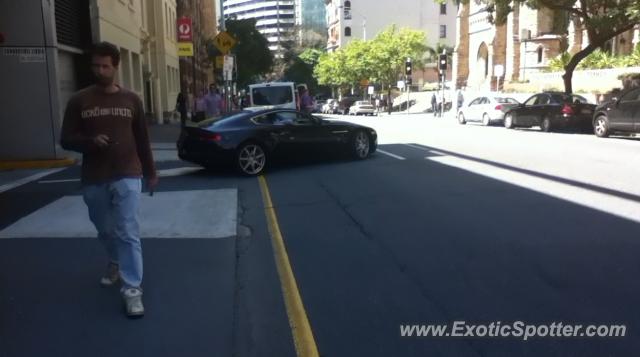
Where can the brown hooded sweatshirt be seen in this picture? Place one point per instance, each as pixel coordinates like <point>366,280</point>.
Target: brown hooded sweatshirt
<point>120,116</point>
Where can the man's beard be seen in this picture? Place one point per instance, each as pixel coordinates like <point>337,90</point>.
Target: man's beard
<point>104,81</point>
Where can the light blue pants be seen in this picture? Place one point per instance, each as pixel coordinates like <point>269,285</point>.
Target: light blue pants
<point>113,209</point>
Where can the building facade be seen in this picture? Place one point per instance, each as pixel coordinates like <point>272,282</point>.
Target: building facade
<point>487,55</point>
<point>311,22</point>
<point>47,42</point>
<point>361,19</point>
<point>276,19</point>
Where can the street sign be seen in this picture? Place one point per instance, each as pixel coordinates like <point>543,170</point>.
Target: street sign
<point>185,49</point>
<point>224,42</point>
<point>370,90</point>
<point>364,82</point>
<point>498,70</point>
<point>219,62</point>
<point>185,32</point>
<point>227,69</point>
<point>400,84</point>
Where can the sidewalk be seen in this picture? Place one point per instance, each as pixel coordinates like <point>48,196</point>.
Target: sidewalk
<point>14,173</point>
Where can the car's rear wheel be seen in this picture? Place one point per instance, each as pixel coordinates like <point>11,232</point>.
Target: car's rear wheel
<point>508,121</point>
<point>545,125</point>
<point>360,145</point>
<point>251,158</point>
<point>601,126</point>
<point>486,121</point>
<point>461,119</point>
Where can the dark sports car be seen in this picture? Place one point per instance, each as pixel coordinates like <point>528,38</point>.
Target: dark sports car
<point>550,111</point>
<point>249,139</point>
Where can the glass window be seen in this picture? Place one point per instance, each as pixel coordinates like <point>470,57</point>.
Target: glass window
<point>347,4</point>
<point>443,31</point>
<point>542,100</point>
<point>347,31</point>
<point>272,95</point>
<point>475,101</point>
<point>631,96</point>
<point>443,9</point>
<point>540,52</point>
<point>502,100</point>
<point>282,118</point>
<point>265,119</point>
<point>532,100</point>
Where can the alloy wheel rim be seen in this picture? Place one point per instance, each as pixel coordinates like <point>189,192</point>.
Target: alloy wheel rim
<point>600,126</point>
<point>362,144</point>
<point>508,120</point>
<point>252,159</point>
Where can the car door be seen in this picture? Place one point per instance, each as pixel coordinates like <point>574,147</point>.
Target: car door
<point>471,112</point>
<point>625,115</point>
<point>524,112</point>
<point>539,109</point>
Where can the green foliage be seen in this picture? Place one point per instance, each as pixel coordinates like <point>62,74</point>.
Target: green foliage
<point>597,60</point>
<point>252,51</point>
<point>380,60</point>
<point>559,63</point>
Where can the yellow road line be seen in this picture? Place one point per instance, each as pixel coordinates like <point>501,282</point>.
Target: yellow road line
<point>300,328</point>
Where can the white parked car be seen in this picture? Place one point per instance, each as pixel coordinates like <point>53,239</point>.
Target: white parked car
<point>362,108</point>
<point>486,109</point>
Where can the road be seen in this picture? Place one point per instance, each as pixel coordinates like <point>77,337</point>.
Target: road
<point>445,223</point>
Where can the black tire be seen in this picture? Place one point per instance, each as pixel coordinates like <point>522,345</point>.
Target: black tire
<point>601,126</point>
<point>360,145</point>
<point>545,125</point>
<point>508,121</point>
<point>251,158</point>
<point>486,121</point>
<point>461,119</point>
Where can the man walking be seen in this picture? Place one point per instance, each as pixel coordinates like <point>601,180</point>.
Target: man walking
<point>105,122</point>
<point>213,101</point>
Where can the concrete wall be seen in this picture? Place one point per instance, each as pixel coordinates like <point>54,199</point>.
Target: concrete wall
<point>30,119</point>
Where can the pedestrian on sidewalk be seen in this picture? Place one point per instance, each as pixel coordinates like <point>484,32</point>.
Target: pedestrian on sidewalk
<point>105,122</point>
<point>460,100</point>
<point>213,102</point>
<point>306,102</point>
<point>434,104</point>
<point>181,107</point>
<point>200,106</point>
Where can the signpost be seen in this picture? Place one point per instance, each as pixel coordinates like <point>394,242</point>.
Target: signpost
<point>498,71</point>
<point>185,49</point>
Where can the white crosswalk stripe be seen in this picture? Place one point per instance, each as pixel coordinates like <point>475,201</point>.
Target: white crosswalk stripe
<point>180,214</point>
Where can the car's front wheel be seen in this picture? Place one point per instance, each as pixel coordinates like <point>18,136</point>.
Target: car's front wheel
<point>360,145</point>
<point>486,121</point>
<point>601,126</point>
<point>251,158</point>
<point>461,119</point>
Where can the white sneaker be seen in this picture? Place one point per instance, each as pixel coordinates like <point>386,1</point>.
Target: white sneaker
<point>111,276</point>
<point>133,302</point>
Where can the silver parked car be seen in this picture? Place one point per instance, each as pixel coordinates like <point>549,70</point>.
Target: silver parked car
<point>486,109</point>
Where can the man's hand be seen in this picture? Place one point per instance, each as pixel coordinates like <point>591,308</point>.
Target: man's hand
<point>101,141</point>
<point>152,182</point>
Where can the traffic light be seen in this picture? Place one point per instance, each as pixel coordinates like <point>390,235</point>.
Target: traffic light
<point>442,62</point>
<point>407,71</point>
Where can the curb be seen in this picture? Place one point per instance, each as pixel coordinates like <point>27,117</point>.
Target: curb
<point>36,164</point>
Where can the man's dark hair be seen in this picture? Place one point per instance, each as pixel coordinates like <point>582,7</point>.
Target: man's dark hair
<point>106,49</point>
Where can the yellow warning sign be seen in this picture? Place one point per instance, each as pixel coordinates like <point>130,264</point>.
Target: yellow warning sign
<point>185,49</point>
<point>224,42</point>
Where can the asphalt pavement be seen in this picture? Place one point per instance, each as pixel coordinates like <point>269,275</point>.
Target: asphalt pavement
<point>444,223</point>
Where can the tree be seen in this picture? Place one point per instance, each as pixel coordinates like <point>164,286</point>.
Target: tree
<point>602,20</point>
<point>300,68</point>
<point>389,51</point>
<point>251,51</point>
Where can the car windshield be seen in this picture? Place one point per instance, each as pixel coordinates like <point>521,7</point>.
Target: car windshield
<point>503,100</point>
<point>224,118</point>
<point>273,95</point>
